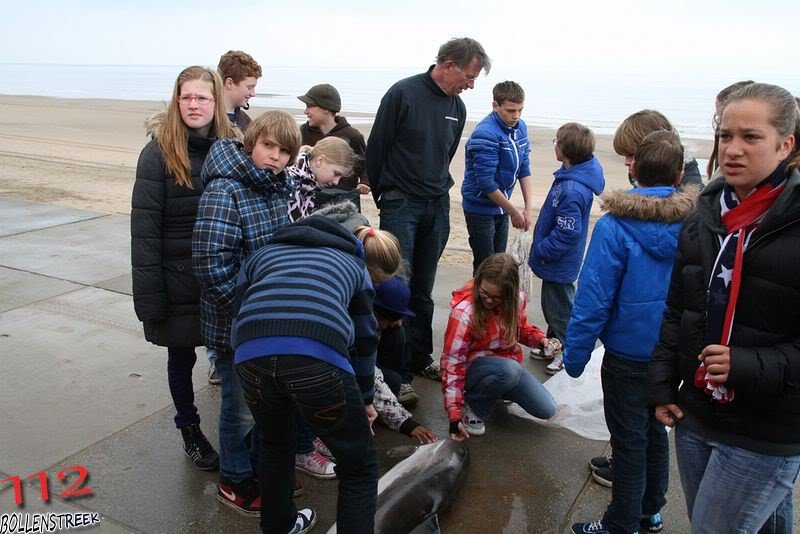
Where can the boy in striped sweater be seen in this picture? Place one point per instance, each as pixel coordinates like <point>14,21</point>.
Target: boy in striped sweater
<point>305,340</point>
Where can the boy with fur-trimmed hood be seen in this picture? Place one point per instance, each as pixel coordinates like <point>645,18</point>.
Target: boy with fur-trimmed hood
<point>620,300</point>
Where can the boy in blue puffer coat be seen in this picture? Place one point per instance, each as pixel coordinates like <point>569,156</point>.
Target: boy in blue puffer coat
<point>497,155</point>
<point>559,238</point>
<point>621,298</point>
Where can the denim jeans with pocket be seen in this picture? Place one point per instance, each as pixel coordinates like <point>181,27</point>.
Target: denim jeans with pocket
<point>488,234</point>
<point>728,489</point>
<point>557,300</point>
<point>422,226</point>
<point>237,449</point>
<point>639,442</point>
<point>330,402</point>
<point>492,378</point>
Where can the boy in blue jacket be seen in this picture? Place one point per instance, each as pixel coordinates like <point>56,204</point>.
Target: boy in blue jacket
<point>559,238</point>
<point>621,298</point>
<point>497,155</point>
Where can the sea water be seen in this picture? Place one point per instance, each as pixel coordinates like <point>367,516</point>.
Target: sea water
<point>553,96</point>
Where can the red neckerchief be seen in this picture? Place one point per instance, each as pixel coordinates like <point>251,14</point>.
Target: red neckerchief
<point>740,218</point>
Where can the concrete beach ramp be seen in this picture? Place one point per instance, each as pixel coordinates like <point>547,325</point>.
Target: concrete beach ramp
<point>80,387</point>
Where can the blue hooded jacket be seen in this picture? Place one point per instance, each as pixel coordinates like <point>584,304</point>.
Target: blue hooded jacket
<point>623,285</point>
<point>495,157</point>
<point>559,238</point>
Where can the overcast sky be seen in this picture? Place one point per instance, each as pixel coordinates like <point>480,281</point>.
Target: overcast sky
<point>734,37</point>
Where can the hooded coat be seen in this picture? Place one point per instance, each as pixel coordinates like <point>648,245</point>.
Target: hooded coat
<point>559,238</point>
<point>166,297</point>
<point>764,416</point>
<point>239,210</point>
<point>623,284</point>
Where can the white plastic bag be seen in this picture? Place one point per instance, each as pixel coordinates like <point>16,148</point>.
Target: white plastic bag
<point>520,249</point>
<point>579,401</point>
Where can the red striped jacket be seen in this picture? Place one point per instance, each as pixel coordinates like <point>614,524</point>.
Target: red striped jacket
<point>461,348</point>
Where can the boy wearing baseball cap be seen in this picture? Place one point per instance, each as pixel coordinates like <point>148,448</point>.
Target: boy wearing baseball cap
<point>323,104</point>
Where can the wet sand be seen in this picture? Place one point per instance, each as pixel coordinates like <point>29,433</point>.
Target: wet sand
<point>82,153</point>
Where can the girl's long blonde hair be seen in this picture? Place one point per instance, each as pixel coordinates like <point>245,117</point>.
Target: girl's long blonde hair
<point>501,270</point>
<point>381,252</point>
<point>173,138</point>
<point>335,149</point>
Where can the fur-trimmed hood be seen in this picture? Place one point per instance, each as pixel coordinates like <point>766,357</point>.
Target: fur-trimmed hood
<point>657,204</point>
<point>154,123</point>
<point>650,215</point>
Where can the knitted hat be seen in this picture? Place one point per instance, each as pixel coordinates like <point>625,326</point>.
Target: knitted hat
<point>323,95</point>
<point>392,296</point>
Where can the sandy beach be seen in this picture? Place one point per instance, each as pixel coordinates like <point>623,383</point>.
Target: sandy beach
<point>82,153</point>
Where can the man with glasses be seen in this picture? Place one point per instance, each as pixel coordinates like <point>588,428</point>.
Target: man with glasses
<point>415,136</point>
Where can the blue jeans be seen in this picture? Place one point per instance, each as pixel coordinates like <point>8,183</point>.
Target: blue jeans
<point>557,302</point>
<point>236,427</point>
<point>728,489</point>
<point>330,402</point>
<point>639,442</point>
<point>488,234</point>
<point>491,378</point>
<point>422,226</point>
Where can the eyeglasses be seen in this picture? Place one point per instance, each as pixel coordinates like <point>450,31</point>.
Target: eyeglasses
<point>469,78</point>
<point>484,295</point>
<point>201,100</point>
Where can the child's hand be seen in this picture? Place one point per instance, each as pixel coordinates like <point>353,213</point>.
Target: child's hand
<point>423,435</point>
<point>363,189</point>
<point>528,216</point>
<point>717,359</point>
<point>668,414</point>
<point>372,414</point>
<point>517,220</point>
<point>462,433</point>
<point>551,345</point>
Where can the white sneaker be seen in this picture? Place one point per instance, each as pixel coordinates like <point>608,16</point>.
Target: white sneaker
<point>556,365</point>
<point>305,521</point>
<point>323,449</point>
<point>315,465</point>
<point>472,423</point>
<point>538,354</point>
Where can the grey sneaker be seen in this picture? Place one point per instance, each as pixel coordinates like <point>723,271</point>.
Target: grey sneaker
<point>433,371</point>
<point>538,354</point>
<point>213,377</point>
<point>556,365</point>
<point>407,395</point>
<point>473,424</point>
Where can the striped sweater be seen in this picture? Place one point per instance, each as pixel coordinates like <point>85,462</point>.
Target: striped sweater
<point>308,293</point>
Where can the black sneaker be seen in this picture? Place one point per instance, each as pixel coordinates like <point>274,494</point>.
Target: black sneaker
<point>198,449</point>
<point>604,476</point>
<point>407,396</point>
<point>652,524</point>
<point>306,519</point>
<point>242,497</point>
<point>600,462</point>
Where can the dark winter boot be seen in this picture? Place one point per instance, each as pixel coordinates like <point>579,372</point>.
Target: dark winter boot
<point>198,449</point>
